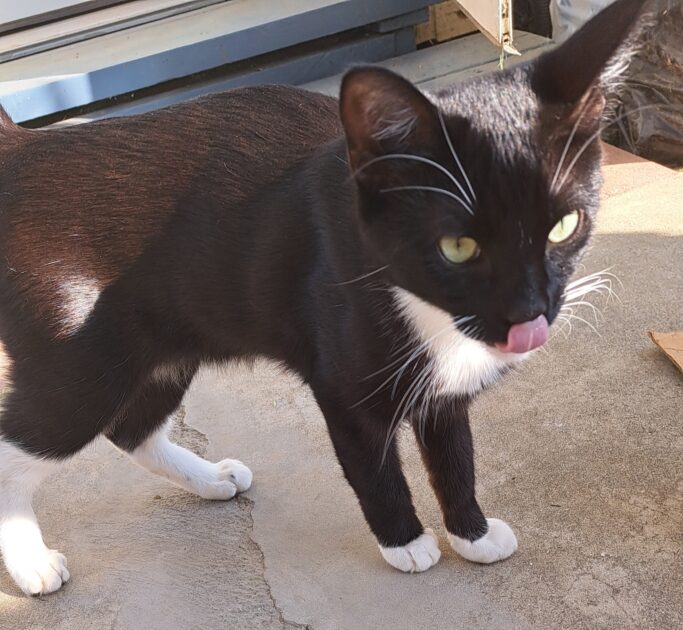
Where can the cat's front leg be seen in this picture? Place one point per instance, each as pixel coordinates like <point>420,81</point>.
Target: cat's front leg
<point>359,439</point>
<point>445,440</point>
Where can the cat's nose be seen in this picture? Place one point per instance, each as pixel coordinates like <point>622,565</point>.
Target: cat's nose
<point>527,310</point>
<point>526,298</point>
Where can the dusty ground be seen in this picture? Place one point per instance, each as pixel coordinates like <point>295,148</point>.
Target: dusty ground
<point>581,453</point>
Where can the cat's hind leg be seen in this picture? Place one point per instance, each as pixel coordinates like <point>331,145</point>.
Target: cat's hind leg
<point>42,423</point>
<point>36,569</point>
<point>143,434</point>
<point>48,415</point>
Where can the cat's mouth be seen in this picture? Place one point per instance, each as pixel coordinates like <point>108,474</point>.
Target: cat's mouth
<point>525,336</point>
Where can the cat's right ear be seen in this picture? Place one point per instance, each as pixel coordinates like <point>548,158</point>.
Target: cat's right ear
<point>383,113</point>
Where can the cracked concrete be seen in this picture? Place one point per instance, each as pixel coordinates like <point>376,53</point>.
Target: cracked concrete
<point>581,452</point>
<point>147,555</point>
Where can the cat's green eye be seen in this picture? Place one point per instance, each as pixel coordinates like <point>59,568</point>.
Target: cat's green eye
<point>458,249</point>
<point>564,228</point>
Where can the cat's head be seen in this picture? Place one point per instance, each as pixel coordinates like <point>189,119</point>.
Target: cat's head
<point>481,198</point>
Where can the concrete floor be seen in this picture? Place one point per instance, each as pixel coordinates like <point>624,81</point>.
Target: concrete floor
<point>581,452</point>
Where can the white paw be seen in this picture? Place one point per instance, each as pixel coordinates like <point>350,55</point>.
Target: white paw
<point>38,573</point>
<point>497,544</point>
<point>236,472</point>
<point>418,555</point>
<point>226,479</point>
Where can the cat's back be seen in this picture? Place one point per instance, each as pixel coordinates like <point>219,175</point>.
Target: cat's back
<point>89,199</point>
<point>136,167</point>
<point>80,205</point>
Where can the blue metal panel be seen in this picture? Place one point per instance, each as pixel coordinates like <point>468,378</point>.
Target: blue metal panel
<point>35,101</point>
<point>294,71</point>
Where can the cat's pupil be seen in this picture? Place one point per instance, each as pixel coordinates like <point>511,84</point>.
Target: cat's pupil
<point>564,228</point>
<point>458,250</point>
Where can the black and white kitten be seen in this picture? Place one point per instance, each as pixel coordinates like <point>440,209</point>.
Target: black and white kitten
<point>399,260</point>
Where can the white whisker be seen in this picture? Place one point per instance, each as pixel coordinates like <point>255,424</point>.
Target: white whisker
<point>567,145</point>
<point>403,407</point>
<point>596,311</point>
<point>456,323</point>
<point>366,275</point>
<point>585,321</point>
<point>411,342</point>
<point>457,159</point>
<point>406,156</point>
<point>605,273</point>
<point>565,323</point>
<point>398,128</point>
<point>430,189</point>
<point>422,348</point>
<point>594,136</point>
<point>604,287</point>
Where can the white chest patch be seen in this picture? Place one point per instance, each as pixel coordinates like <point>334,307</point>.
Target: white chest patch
<point>462,365</point>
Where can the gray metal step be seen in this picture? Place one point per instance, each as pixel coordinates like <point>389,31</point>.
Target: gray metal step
<point>444,64</point>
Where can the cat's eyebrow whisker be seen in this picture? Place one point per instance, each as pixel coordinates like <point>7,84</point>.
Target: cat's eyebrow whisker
<point>567,145</point>
<point>408,156</point>
<point>430,189</point>
<point>457,159</point>
<point>597,134</point>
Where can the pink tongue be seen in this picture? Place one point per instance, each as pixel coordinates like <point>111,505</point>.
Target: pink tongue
<point>526,336</point>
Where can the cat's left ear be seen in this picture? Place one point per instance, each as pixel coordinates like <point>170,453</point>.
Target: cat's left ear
<point>573,73</point>
<point>383,113</point>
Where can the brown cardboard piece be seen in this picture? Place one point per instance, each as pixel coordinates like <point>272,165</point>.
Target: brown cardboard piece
<point>446,21</point>
<point>671,344</point>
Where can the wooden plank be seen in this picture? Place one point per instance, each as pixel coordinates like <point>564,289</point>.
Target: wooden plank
<point>486,14</point>
<point>451,21</point>
<point>446,21</point>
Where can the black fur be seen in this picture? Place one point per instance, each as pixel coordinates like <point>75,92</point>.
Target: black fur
<point>239,225</point>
